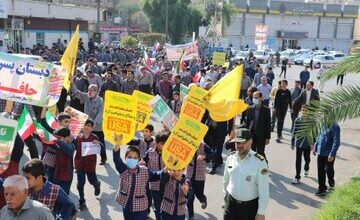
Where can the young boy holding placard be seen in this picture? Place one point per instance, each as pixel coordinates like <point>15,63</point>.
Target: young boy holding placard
<point>86,164</point>
<point>133,180</point>
<point>153,161</point>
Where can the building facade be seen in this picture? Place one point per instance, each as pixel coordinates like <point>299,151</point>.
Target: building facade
<point>294,24</point>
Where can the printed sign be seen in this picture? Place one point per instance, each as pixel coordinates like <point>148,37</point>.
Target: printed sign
<point>78,120</point>
<point>30,81</point>
<point>218,58</point>
<point>119,116</point>
<point>184,90</point>
<point>163,111</point>
<point>89,148</point>
<point>183,142</point>
<point>144,110</point>
<point>174,52</point>
<point>194,105</point>
<point>7,139</point>
<point>260,34</point>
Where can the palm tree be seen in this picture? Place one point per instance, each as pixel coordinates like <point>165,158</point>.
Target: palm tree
<point>337,106</point>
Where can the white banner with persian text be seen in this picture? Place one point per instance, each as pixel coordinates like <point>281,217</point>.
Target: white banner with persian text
<point>173,52</point>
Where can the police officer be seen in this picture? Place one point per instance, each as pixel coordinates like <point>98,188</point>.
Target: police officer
<point>246,181</point>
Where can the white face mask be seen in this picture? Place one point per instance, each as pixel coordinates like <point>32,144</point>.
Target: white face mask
<point>256,101</point>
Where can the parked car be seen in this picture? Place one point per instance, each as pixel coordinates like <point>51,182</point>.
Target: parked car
<point>327,60</point>
<point>288,55</point>
<point>240,55</point>
<point>261,56</point>
<point>299,59</point>
<point>339,56</point>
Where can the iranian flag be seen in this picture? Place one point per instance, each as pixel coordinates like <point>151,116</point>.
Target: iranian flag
<point>45,135</point>
<point>26,125</point>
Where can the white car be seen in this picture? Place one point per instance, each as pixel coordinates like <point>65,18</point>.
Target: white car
<point>328,61</point>
<point>240,55</point>
<point>339,56</point>
<point>261,56</point>
<point>287,55</point>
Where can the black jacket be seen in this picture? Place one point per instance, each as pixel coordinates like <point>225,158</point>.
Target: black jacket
<point>262,128</point>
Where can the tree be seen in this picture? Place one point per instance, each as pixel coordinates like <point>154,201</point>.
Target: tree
<point>129,41</point>
<point>225,11</point>
<point>339,105</point>
<point>182,19</point>
<point>150,39</point>
<point>126,11</point>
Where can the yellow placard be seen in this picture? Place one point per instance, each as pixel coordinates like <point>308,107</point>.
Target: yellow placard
<point>218,58</point>
<point>183,142</point>
<point>194,104</point>
<point>144,110</point>
<point>53,110</point>
<point>119,116</point>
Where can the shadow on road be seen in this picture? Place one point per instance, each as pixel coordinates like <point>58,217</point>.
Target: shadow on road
<point>356,147</point>
<point>280,193</point>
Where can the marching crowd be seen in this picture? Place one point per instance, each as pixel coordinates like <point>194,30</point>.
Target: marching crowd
<point>145,182</point>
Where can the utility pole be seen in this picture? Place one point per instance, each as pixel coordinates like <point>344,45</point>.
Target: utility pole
<point>98,16</point>
<point>166,19</point>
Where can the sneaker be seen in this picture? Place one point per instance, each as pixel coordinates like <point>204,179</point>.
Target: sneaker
<point>320,193</point>
<point>82,206</point>
<point>212,171</point>
<point>103,162</point>
<point>97,190</point>
<point>278,140</point>
<point>295,181</point>
<point>204,205</point>
<point>306,173</point>
<point>331,188</point>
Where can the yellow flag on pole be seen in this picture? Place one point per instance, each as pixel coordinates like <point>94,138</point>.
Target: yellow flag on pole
<point>222,100</point>
<point>68,59</point>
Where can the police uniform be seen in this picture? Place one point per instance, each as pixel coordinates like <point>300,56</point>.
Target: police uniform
<point>246,183</point>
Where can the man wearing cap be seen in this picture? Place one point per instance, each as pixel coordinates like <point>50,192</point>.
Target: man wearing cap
<point>82,83</point>
<point>246,181</point>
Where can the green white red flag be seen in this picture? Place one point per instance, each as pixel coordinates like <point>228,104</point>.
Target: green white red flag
<point>45,135</point>
<point>26,124</point>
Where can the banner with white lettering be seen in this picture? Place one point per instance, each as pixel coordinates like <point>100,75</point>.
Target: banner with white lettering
<point>30,81</point>
<point>7,139</point>
<point>89,148</point>
<point>173,52</point>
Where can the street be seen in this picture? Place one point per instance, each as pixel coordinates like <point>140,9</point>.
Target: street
<point>286,200</point>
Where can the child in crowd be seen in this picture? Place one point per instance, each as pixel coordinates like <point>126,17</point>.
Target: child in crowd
<point>133,180</point>
<point>196,172</point>
<point>86,164</point>
<point>64,168</point>
<point>175,186</point>
<point>153,161</point>
<point>176,103</point>
<point>145,143</point>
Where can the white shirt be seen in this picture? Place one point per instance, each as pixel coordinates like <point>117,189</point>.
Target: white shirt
<point>308,96</point>
<point>247,179</point>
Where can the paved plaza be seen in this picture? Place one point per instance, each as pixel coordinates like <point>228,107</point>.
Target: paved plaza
<point>286,200</point>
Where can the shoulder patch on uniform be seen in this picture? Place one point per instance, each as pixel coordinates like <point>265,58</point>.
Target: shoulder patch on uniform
<point>261,157</point>
<point>264,171</point>
<point>231,153</point>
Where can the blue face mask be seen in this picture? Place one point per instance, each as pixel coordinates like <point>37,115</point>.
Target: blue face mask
<point>256,101</point>
<point>131,163</point>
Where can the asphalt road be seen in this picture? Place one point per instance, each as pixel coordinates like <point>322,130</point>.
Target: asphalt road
<point>286,200</point>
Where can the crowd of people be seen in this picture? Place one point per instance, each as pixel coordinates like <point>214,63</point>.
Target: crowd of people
<point>145,182</point>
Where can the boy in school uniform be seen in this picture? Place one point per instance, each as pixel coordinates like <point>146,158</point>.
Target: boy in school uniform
<point>86,165</point>
<point>64,167</point>
<point>196,173</point>
<point>46,192</point>
<point>153,161</point>
<point>175,186</point>
<point>176,103</point>
<point>133,181</point>
<point>145,143</point>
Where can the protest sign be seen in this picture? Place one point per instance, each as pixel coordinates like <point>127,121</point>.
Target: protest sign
<point>163,111</point>
<point>191,51</point>
<point>260,34</point>
<point>7,139</point>
<point>183,142</point>
<point>119,116</point>
<point>78,120</point>
<point>194,105</point>
<point>89,148</point>
<point>144,110</point>
<point>184,90</point>
<point>218,58</point>
<point>30,81</point>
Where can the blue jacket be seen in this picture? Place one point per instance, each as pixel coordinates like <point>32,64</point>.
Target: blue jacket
<point>328,141</point>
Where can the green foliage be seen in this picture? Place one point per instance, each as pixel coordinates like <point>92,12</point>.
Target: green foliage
<point>129,41</point>
<point>182,19</point>
<point>338,106</point>
<point>343,204</point>
<point>348,65</point>
<point>150,39</point>
<point>126,10</point>
<point>225,12</point>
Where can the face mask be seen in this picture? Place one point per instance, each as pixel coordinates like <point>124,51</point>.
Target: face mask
<point>131,163</point>
<point>256,101</point>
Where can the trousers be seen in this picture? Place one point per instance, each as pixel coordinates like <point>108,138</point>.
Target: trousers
<point>325,168</point>
<point>280,114</point>
<point>93,180</point>
<point>197,189</point>
<point>240,210</point>
<point>299,153</point>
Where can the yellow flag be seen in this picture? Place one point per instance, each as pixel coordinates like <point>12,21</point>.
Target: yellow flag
<point>222,100</point>
<point>69,57</point>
